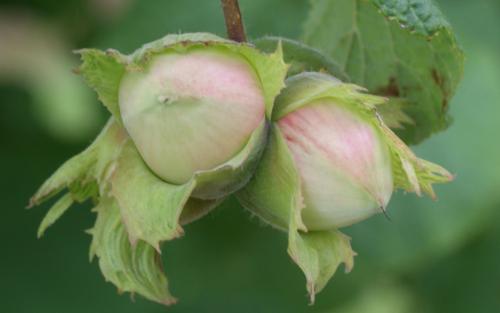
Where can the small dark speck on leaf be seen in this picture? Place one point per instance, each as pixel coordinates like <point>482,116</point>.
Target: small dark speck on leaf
<point>439,80</point>
<point>391,90</point>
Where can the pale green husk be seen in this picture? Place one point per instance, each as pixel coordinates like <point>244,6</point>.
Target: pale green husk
<point>136,210</point>
<point>274,193</point>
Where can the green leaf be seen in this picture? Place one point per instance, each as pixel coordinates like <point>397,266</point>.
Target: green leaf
<point>103,72</point>
<point>130,268</point>
<point>55,212</point>
<point>274,195</point>
<point>420,16</point>
<point>150,207</point>
<point>396,48</point>
<point>301,57</point>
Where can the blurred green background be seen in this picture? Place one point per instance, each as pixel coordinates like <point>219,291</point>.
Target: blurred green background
<point>434,256</point>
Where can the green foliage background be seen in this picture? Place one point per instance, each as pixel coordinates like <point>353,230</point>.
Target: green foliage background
<point>439,256</point>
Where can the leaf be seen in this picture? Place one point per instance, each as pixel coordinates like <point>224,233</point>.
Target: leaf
<point>130,268</point>
<point>274,195</point>
<point>419,16</point>
<point>55,212</point>
<point>398,48</point>
<point>149,206</point>
<point>103,72</point>
<point>301,57</point>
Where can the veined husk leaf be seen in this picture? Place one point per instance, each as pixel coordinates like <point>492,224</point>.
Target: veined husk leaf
<point>133,268</point>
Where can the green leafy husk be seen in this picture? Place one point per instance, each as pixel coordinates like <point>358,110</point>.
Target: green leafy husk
<point>274,193</point>
<point>136,210</point>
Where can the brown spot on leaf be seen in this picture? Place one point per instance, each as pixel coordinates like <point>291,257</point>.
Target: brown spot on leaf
<point>440,81</point>
<point>391,90</point>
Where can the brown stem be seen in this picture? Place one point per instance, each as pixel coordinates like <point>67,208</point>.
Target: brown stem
<point>234,22</point>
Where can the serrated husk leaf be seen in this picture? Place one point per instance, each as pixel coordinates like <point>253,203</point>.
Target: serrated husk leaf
<point>55,212</point>
<point>86,167</point>
<point>319,254</point>
<point>73,170</point>
<point>274,195</point>
<point>150,207</point>
<point>83,176</point>
<point>135,269</point>
<point>103,70</point>
<point>411,173</point>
